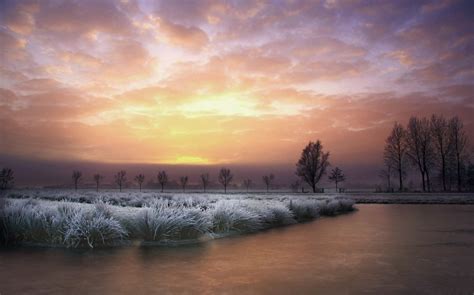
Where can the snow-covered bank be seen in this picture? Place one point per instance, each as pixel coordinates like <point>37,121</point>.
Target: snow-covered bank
<point>110,218</point>
<point>413,198</point>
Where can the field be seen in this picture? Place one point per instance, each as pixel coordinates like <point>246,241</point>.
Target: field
<point>89,219</point>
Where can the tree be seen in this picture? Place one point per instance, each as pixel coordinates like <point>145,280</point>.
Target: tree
<point>162,179</point>
<point>247,183</point>
<point>97,178</point>
<point>441,138</point>
<point>337,176</point>
<point>76,178</point>
<point>295,186</point>
<point>205,178</point>
<point>420,148</point>
<point>312,164</point>
<point>268,179</point>
<point>140,178</point>
<point>470,177</point>
<point>395,152</point>
<point>458,139</point>
<point>386,174</point>
<point>6,178</point>
<point>120,178</point>
<point>183,180</point>
<point>225,177</point>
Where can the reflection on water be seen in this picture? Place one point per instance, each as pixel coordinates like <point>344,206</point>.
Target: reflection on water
<point>380,249</point>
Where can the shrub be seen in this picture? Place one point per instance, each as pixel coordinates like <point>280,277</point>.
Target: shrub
<point>92,228</point>
<point>164,221</point>
<point>231,215</point>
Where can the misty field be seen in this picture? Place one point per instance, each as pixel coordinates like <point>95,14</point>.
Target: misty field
<point>89,219</point>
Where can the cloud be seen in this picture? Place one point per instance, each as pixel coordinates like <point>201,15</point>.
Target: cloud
<point>190,37</point>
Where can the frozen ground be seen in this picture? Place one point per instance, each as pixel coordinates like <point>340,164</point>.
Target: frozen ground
<point>90,219</point>
<point>412,198</point>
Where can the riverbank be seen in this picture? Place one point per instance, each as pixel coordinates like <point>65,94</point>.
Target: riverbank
<point>412,198</point>
<point>91,220</point>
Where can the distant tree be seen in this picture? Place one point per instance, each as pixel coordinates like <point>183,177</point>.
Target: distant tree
<point>420,148</point>
<point>395,152</point>
<point>458,140</point>
<point>97,178</point>
<point>205,178</point>
<point>120,178</point>
<point>140,178</point>
<point>247,183</point>
<point>441,139</point>
<point>386,175</point>
<point>337,176</point>
<point>76,178</point>
<point>267,180</point>
<point>183,180</point>
<point>225,177</point>
<point>162,179</point>
<point>295,186</point>
<point>312,164</point>
<point>470,177</point>
<point>7,178</point>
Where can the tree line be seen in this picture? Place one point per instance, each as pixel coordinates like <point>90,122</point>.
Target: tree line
<point>435,147</point>
<point>310,168</point>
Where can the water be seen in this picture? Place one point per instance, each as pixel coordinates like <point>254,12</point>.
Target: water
<point>380,249</point>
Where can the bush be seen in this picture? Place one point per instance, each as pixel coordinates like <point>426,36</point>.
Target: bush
<point>162,221</point>
<point>231,215</point>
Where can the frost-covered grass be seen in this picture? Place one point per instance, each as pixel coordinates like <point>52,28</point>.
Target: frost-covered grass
<point>100,219</point>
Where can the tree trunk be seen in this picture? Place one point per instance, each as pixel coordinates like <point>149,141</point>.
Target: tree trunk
<point>423,180</point>
<point>459,171</point>
<point>313,187</point>
<point>443,172</point>
<point>161,187</point>
<point>97,187</point>
<point>225,189</point>
<point>400,179</point>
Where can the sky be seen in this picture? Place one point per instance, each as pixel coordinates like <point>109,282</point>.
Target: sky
<point>226,82</point>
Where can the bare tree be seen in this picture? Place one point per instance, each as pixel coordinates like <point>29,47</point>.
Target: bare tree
<point>386,175</point>
<point>395,152</point>
<point>268,179</point>
<point>295,186</point>
<point>337,176</point>
<point>441,138</point>
<point>312,164</point>
<point>205,178</point>
<point>6,178</point>
<point>97,178</point>
<point>458,139</point>
<point>225,177</point>
<point>162,179</point>
<point>247,183</point>
<point>140,178</point>
<point>183,180</point>
<point>420,148</point>
<point>120,178</point>
<point>76,178</point>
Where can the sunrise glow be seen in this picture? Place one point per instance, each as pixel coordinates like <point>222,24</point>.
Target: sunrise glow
<point>200,82</point>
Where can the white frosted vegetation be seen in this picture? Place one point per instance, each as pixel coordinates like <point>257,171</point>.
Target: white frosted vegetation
<point>91,219</point>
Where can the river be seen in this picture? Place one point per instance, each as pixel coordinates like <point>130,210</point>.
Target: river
<point>379,249</point>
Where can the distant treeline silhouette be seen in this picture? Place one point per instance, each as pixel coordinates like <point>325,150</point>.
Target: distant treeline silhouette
<point>310,168</point>
<point>436,147</point>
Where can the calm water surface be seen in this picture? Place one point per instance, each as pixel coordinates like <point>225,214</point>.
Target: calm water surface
<point>380,249</point>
